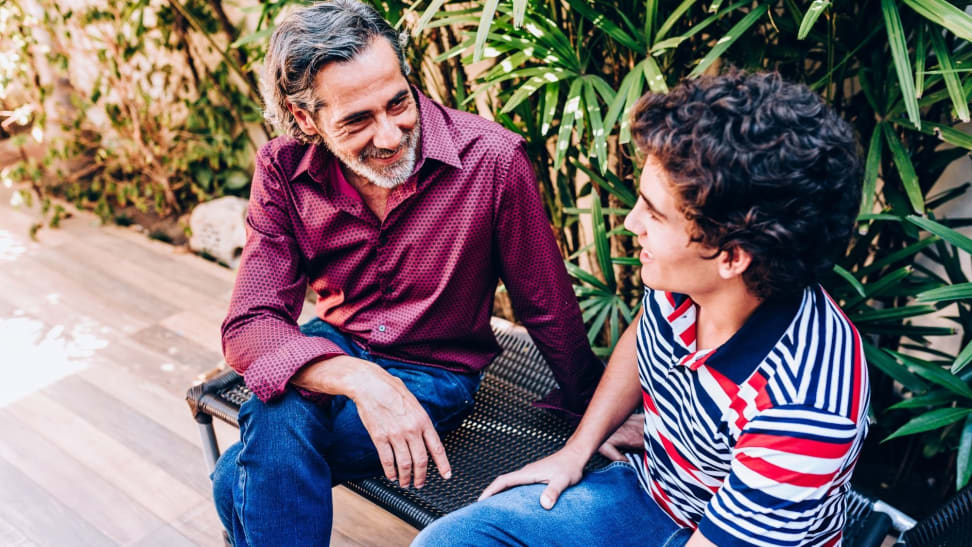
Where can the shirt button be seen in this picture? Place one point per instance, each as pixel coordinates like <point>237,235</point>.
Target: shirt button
<point>381,328</point>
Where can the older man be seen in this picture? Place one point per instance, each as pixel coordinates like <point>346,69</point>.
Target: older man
<point>401,214</point>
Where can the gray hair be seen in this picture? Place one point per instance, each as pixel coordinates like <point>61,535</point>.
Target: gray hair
<point>307,39</point>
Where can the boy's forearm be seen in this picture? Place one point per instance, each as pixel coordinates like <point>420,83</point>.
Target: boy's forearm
<point>616,397</point>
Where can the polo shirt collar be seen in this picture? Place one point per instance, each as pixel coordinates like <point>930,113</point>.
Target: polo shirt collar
<point>739,356</point>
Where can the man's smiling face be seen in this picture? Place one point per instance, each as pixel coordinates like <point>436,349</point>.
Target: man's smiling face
<point>369,118</point>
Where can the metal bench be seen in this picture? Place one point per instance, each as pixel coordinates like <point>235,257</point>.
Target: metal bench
<point>503,433</point>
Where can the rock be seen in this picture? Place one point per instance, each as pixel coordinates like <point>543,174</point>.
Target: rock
<point>218,229</point>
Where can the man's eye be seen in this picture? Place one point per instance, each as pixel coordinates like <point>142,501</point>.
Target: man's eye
<point>399,105</point>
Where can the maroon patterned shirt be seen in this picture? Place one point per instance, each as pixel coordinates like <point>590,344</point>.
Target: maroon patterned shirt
<point>417,287</point>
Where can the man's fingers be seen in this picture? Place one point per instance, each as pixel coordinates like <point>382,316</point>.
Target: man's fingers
<point>611,452</point>
<point>437,451</point>
<point>420,460</point>
<point>550,494</point>
<point>387,459</point>
<point>403,461</point>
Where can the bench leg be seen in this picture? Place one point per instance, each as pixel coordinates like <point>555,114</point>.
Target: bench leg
<point>210,446</point>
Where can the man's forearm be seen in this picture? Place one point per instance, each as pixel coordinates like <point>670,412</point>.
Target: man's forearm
<point>617,395</point>
<point>337,375</point>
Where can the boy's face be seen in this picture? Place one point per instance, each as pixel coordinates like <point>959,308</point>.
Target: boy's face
<point>669,260</point>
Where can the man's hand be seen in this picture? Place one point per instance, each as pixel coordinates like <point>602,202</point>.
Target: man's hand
<point>558,471</point>
<point>627,438</point>
<point>398,425</point>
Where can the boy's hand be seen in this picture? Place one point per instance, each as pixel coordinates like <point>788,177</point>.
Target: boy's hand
<point>627,438</point>
<point>558,471</point>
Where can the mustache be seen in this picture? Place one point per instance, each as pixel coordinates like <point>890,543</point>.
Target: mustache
<point>372,151</point>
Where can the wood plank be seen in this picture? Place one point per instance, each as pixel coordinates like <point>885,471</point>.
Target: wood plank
<point>114,291</point>
<point>167,536</point>
<point>112,512</point>
<point>31,284</point>
<point>39,516</point>
<point>368,524</point>
<point>200,325</point>
<point>181,350</point>
<point>11,536</point>
<point>201,525</point>
<point>116,463</point>
<point>145,276</point>
<point>130,427</point>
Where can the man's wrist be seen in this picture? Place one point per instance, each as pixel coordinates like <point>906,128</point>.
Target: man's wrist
<point>333,375</point>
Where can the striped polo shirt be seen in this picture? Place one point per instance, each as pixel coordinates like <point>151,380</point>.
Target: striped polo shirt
<point>753,442</point>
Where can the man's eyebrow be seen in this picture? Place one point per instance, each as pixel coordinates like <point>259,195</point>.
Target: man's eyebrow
<point>356,116</point>
<point>651,206</point>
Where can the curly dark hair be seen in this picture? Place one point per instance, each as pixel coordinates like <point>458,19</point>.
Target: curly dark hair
<point>757,164</point>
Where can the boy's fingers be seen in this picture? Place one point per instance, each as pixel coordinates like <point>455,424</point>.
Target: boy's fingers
<point>552,492</point>
<point>611,452</point>
<point>501,483</point>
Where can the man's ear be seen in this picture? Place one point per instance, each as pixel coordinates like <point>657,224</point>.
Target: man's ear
<point>304,119</point>
<point>734,262</point>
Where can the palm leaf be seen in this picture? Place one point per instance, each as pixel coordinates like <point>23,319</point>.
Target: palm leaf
<point>485,21</point>
<point>943,232</point>
<point>571,109</point>
<point>905,170</point>
<point>871,169</point>
<point>899,53</point>
<point>602,244</point>
<point>929,421</point>
<point>813,13</point>
<point>734,33</point>
<point>952,82</point>
<point>944,14</point>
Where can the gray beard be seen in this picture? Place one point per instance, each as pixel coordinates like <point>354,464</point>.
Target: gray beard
<point>387,177</point>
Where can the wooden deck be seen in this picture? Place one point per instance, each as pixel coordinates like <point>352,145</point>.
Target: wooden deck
<point>101,332</point>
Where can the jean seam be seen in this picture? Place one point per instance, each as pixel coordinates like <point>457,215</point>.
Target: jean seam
<point>613,465</point>
<point>672,537</point>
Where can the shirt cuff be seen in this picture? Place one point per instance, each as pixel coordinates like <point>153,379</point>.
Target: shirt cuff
<point>268,375</point>
<point>554,402</point>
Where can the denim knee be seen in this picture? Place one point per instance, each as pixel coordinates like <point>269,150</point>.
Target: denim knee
<point>224,476</point>
<point>282,422</point>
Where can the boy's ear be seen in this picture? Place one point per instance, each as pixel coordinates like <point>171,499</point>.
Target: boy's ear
<point>734,262</point>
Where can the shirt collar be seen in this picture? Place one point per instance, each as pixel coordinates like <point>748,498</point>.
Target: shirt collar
<point>437,143</point>
<point>739,356</point>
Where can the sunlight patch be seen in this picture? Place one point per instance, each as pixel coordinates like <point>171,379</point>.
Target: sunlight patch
<point>35,356</point>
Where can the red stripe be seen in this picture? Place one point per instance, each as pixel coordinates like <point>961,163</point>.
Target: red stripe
<point>858,371</point>
<point>728,386</point>
<point>671,299</point>
<point>834,540</point>
<point>783,475</point>
<point>649,404</point>
<point>794,445</point>
<point>688,335</point>
<point>664,502</point>
<point>678,460</point>
<point>679,310</point>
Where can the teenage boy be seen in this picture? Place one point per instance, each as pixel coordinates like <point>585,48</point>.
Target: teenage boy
<point>753,382</point>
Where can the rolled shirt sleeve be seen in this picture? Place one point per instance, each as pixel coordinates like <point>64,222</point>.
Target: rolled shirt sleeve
<point>534,274</point>
<point>261,339</point>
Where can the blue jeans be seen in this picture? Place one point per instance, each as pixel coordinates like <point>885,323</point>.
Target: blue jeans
<point>607,507</point>
<point>274,486</point>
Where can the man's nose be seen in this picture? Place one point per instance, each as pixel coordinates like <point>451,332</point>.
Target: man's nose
<point>387,135</point>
